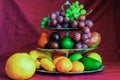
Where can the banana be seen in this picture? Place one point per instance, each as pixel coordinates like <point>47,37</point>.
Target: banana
<point>47,64</point>
<point>35,54</point>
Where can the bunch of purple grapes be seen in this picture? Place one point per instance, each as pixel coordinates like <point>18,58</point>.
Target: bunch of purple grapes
<point>82,39</point>
<point>58,20</point>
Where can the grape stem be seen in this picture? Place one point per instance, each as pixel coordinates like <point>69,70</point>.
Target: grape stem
<point>89,12</point>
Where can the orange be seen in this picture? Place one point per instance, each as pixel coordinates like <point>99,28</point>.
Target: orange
<point>43,39</point>
<point>20,66</point>
<point>77,66</point>
<point>57,59</point>
<point>64,65</point>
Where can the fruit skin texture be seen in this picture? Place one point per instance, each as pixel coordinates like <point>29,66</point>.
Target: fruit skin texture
<point>75,57</point>
<point>95,56</point>
<point>64,65</point>
<point>20,66</point>
<point>67,43</point>
<point>95,39</point>
<point>77,66</point>
<point>47,64</point>
<point>90,63</point>
<point>43,39</point>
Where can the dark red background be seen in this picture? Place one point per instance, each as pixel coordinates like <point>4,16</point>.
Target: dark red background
<point>20,29</point>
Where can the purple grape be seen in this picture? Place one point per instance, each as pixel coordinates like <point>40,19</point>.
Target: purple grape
<point>53,22</point>
<point>62,13</point>
<point>58,26</point>
<point>60,19</point>
<point>49,23</point>
<point>84,37</point>
<point>57,13</point>
<point>74,24</point>
<point>89,35</point>
<point>78,45</point>
<point>81,24</point>
<point>77,37</point>
<point>89,23</point>
<point>86,41</point>
<point>82,17</point>
<point>53,16</point>
<point>66,19</point>
<point>84,46</point>
<point>65,25</point>
<point>86,29</point>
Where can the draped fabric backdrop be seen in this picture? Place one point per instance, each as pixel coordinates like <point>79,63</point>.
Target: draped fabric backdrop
<point>20,29</point>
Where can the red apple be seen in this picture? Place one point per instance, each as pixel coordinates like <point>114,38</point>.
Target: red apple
<point>95,39</point>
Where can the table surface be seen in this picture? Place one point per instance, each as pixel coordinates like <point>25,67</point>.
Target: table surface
<point>111,72</point>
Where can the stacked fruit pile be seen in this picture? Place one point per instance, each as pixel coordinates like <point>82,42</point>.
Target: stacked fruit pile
<point>76,62</point>
<point>73,18</point>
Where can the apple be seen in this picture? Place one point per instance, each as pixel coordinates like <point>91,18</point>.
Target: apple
<point>95,39</point>
<point>95,56</point>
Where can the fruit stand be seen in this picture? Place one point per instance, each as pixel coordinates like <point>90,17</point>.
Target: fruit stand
<point>75,48</point>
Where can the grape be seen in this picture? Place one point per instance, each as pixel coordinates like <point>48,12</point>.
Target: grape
<point>57,13</point>
<point>74,24</point>
<point>66,19</point>
<point>60,19</point>
<point>77,37</point>
<point>65,25</point>
<point>53,22</point>
<point>81,6</point>
<point>53,16</point>
<point>62,13</point>
<point>86,41</point>
<point>84,46</point>
<point>83,11</point>
<point>77,2</point>
<point>81,24</point>
<point>82,17</point>
<point>49,23</point>
<point>86,29</point>
<point>84,37</point>
<point>89,23</point>
<point>89,35</point>
<point>76,16</point>
<point>67,15</point>
<point>58,26</point>
<point>78,45</point>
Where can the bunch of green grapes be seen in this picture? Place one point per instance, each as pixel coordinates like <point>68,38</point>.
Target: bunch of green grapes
<point>44,22</point>
<point>75,10</point>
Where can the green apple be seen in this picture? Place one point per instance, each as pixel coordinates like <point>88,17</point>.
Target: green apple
<point>95,56</point>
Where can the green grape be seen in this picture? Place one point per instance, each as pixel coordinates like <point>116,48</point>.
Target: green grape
<point>67,15</point>
<point>45,19</point>
<point>42,26</point>
<point>75,16</point>
<point>81,6</point>
<point>71,18</point>
<point>83,11</point>
<point>43,23</point>
<point>72,7</point>
<point>77,2</point>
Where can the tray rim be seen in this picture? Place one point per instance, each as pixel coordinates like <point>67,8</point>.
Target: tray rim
<point>85,72</point>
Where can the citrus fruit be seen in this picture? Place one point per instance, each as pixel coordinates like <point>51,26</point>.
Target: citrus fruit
<point>95,55</point>
<point>77,66</point>
<point>34,54</point>
<point>43,39</point>
<point>55,61</point>
<point>76,56</point>
<point>64,65</point>
<point>67,42</point>
<point>20,66</point>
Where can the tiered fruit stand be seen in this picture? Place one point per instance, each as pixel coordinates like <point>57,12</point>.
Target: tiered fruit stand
<point>67,51</point>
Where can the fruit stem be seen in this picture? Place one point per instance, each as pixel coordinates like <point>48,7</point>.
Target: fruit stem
<point>67,33</point>
<point>89,12</point>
